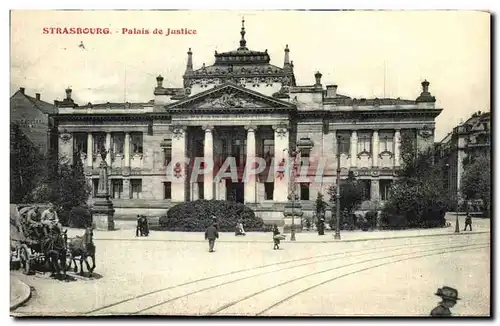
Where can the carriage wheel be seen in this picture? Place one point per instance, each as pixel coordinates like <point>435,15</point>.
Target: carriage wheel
<point>24,257</point>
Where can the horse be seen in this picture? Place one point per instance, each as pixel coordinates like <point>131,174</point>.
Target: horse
<point>82,247</point>
<point>54,247</point>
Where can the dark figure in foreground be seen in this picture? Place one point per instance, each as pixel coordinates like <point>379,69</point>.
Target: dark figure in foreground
<point>211,234</point>
<point>277,237</point>
<point>468,222</point>
<point>142,226</point>
<point>449,298</point>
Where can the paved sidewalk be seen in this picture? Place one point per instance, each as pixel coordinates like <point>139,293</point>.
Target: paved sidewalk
<point>20,293</point>
<point>126,231</point>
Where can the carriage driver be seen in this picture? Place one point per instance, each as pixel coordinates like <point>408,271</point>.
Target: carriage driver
<point>32,220</point>
<point>50,219</point>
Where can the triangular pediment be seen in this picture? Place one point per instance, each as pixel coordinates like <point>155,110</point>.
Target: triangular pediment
<point>229,97</point>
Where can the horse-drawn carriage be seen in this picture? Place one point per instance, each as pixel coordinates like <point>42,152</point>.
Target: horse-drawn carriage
<point>38,245</point>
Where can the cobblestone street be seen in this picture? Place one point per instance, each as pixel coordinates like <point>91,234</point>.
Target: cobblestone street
<point>374,277</point>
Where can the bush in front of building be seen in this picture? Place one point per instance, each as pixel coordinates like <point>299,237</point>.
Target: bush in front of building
<point>197,216</point>
<point>418,198</point>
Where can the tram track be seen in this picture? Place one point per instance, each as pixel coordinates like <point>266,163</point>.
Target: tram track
<point>255,294</point>
<point>159,295</point>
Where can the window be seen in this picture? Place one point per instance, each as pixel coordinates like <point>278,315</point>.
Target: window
<point>201,190</point>
<point>99,142</point>
<point>80,143</point>
<point>268,148</point>
<point>136,188</point>
<point>386,144</point>
<point>136,142</point>
<point>364,144</point>
<point>167,155</point>
<point>385,186</point>
<point>117,188</point>
<point>167,190</point>
<point>117,139</point>
<point>366,189</point>
<point>95,187</point>
<point>344,145</point>
<point>269,190</point>
<point>304,191</point>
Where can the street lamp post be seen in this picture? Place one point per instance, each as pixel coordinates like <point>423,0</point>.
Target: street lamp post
<point>292,196</point>
<point>457,226</point>
<point>337,194</point>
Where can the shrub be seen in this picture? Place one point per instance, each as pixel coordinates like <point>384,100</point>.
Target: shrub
<point>80,217</point>
<point>197,216</point>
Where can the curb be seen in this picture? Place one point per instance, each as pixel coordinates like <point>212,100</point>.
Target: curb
<point>26,293</point>
<point>288,241</point>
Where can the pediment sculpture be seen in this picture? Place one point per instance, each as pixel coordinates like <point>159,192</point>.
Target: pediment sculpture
<point>228,100</point>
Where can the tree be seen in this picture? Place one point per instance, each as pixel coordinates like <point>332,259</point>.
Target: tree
<point>351,195</point>
<point>476,181</point>
<point>417,198</point>
<point>26,166</point>
<point>72,187</point>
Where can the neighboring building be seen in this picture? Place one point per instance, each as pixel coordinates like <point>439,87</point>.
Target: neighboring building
<point>467,140</point>
<point>33,118</point>
<point>242,107</point>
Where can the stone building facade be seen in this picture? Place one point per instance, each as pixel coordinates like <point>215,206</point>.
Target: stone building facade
<point>240,109</point>
<point>466,141</point>
<point>32,116</point>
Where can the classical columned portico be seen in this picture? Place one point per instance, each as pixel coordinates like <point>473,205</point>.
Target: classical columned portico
<point>178,163</point>
<point>354,148</point>
<point>90,154</point>
<point>281,157</point>
<point>208,153</point>
<point>397,146</point>
<point>108,148</point>
<point>375,141</point>
<point>126,151</point>
<point>250,177</point>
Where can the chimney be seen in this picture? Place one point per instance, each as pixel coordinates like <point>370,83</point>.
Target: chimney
<point>21,89</point>
<point>331,91</point>
<point>159,81</point>
<point>37,95</point>
<point>68,93</point>
<point>318,78</point>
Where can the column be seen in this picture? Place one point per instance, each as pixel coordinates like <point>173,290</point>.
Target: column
<point>375,190</point>
<point>331,160</point>
<point>108,148</point>
<point>90,151</point>
<point>281,153</point>
<point>251,178</point>
<point>178,161</point>
<point>375,141</point>
<point>126,150</point>
<point>208,153</point>
<point>354,148</point>
<point>397,144</point>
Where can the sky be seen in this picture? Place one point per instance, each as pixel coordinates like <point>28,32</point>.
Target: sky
<point>451,49</point>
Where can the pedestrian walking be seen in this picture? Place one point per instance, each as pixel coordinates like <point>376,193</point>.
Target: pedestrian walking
<point>468,222</point>
<point>449,298</point>
<point>277,237</point>
<point>211,234</point>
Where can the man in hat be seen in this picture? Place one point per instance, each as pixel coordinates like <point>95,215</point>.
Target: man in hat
<point>211,234</point>
<point>449,298</point>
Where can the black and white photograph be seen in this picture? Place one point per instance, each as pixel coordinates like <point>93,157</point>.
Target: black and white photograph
<point>287,163</point>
